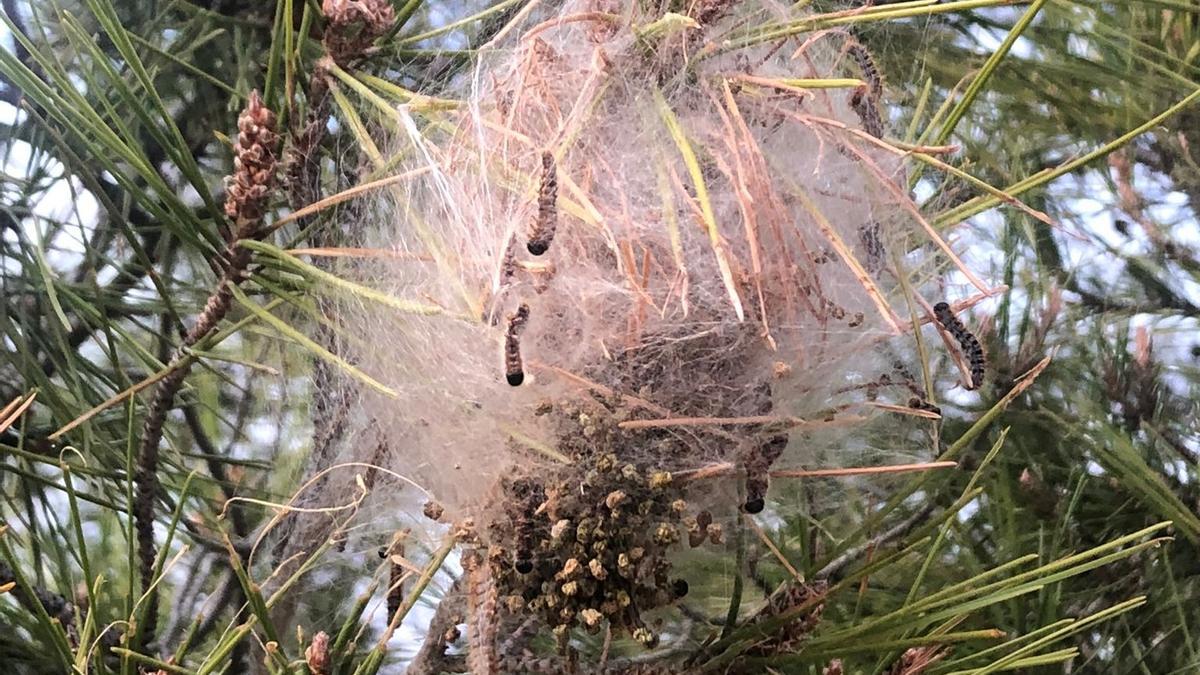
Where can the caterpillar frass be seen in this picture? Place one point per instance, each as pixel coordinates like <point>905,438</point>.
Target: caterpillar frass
<point>966,341</point>
<point>918,403</point>
<point>514,369</point>
<point>542,232</point>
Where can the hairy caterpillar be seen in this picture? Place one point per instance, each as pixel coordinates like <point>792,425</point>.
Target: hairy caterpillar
<point>529,496</point>
<point>966,341</point>
<point>757,465</point>
<point>867,109</point>
<point>514,370</point>
<point>865,99</point>
<point>870,71</point>
<point>395,593</point>
<point>542,232</point>
<point>869,235</point>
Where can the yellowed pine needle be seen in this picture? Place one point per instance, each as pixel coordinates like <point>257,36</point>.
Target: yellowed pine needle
<point>711,422</point>
<point>909,206</point>
<point>1026,380</point>
<point>709,219</point>
<point>772,547</point>
<point>535,445</point>
<point>862,470</point>
<point>959,306</point>
<point>927,149</point>
<point>351,193</point>
<point>506,131</point>
<point>596,387</point>
<point>586,210</point>
<point>739,139</point>
<point>868,284</point>
<point>812,39</point>
<point>350,252</point>
<point>755,420</point>
<point>588,101</point>
<point>798,85</point>
<point>603,17</point>
<point>111,401</point>
<point>410,568</point>
<point>726,468</point>
<point>905,410</point>
<point>922,153</point>
<point>9,407</point>
<point>508,27</point>
<point>13,411</point>
<point>672,223</point>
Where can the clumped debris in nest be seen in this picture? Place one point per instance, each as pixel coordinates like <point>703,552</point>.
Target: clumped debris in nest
<point>588,542</point>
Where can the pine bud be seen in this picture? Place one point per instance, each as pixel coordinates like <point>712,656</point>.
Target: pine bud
<point>248,188</point>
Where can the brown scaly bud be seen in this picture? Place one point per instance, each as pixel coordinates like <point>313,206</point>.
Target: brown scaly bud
<point>317,654</point>
<point>352,25</point>
<point>597,569</point>
<point>665,535</point>
<point>570,570</point>
<point>591,618</point>
<point>696,534</point>
<point>916,660</point>
<point>645,636</point>
<point>433,510</point>
<point>249,187</point>
<point>788,597</point>
<point>614,499</point>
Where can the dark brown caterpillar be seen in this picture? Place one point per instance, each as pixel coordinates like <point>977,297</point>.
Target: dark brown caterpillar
<point>528,495</point>
<point>542,232</point>
<point>514,369</point>
<point>508,266</point>
<point>865,99</point>
<point>869,236</point>
<point>395,593</point>
<point>867,109</point>
<point>758,463</point>
<point>870,71</point>
<point>966,341</point>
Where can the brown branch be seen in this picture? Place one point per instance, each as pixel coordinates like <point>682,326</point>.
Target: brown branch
<point>248,190</point>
